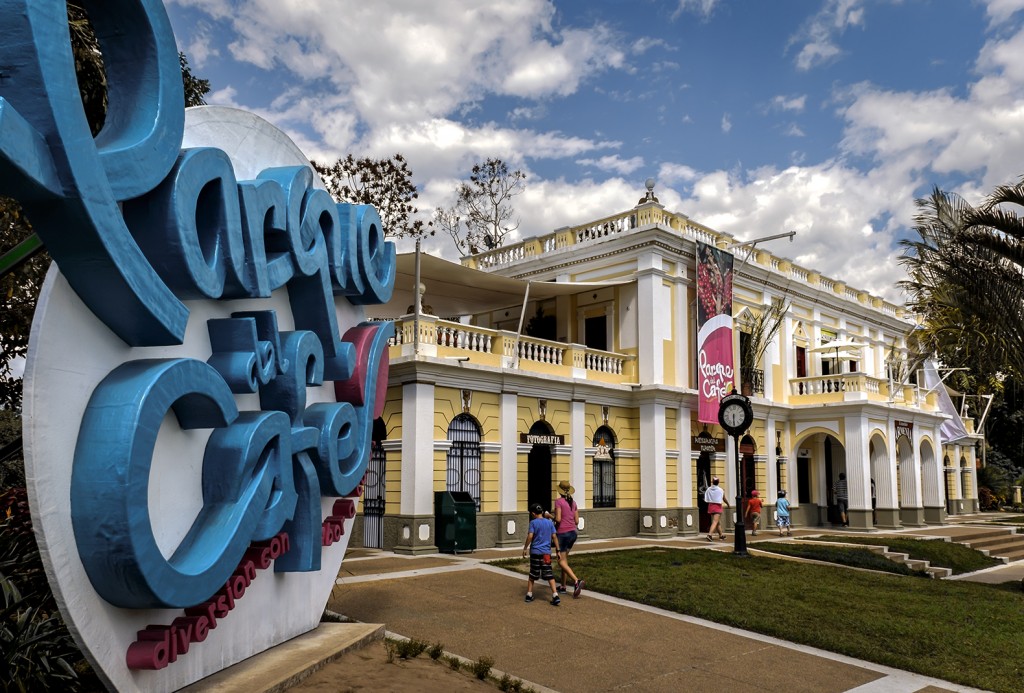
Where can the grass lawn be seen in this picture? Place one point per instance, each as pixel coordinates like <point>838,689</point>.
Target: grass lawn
<point>843,555</point>
<point>959,631</point>
<point>1010,519</point>
<point>959,558</point>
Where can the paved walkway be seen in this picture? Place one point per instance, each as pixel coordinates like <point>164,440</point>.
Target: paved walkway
<point>595,643</point>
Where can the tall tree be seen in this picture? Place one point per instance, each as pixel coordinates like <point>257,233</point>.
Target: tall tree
<point>19,289</point>
<point>196,89</point>
<point>966,282</point>
<point>482,216</point>
<point>384,183</point>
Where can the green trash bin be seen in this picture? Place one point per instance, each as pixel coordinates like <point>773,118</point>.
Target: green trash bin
<point>454,521</point>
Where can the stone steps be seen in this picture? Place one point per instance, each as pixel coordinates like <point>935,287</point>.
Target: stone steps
<point>997,543</point>
<point>935,572</point>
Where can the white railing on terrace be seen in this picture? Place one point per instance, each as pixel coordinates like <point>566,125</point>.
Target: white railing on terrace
<point>646,215</point>
<point>469,338</point>
<point>605,228</point>
<point>838,383</point>
<point>600,361</point>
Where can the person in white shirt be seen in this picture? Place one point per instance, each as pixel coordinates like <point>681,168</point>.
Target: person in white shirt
<point>715,498</point>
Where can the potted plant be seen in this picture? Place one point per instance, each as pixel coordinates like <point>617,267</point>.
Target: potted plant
<point>760,329</point>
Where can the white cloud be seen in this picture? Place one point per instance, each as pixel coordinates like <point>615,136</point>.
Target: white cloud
<point>794,130</point>
<point>817,37</point>
<point>701,8</point>
<point>1000,11</point>
<point>614,163</point>
<point>788,103</point>
<point>726,122</point>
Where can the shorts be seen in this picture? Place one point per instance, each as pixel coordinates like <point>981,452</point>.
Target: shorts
<point>539,568</point>
<point>714,508</point>
<point>566,541</point>
<point>843,504</point>
<point>782,521</point>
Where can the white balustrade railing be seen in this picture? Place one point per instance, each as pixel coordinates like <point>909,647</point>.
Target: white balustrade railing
<point>529,349</point>
<point>837,383</point>
<point>599,361</point>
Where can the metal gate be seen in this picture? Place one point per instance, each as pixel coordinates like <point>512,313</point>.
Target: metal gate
<point>373,498</point>
<point>463,470</point>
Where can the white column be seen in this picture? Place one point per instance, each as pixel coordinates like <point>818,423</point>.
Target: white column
<point>578,450</point>
<point>771,492</point>
<point>417,487</point>
<point>681,339</point>
<point>653,481</point>
<point>684,465</point>
<point>508,458</point>
<point>651,320</point>
<point>858,463</point>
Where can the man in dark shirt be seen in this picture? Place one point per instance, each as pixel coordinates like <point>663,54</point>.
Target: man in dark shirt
<point>842,497</point>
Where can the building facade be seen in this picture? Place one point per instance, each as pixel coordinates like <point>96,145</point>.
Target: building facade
<point>584,369</point>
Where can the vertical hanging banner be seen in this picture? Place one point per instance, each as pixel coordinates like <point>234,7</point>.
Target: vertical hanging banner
<point>714,329</point>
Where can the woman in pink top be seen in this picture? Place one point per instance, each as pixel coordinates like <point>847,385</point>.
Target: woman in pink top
<point>567,516</point>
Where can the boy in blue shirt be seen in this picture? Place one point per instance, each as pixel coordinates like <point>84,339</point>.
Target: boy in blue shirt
<point>782,514</point>
<point>539,543</point>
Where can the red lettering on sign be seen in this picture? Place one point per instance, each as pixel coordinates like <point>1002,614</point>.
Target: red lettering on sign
<point>158,646</point>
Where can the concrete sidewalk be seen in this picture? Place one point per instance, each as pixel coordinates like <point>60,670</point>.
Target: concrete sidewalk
<point>595,643</point>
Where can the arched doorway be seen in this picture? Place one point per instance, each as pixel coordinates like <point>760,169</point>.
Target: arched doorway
<point>374,489</point>
<point>703,481</point>
<point>931,489</point>
<point>748,449</point>
<point>604,468</point>
<point>881,474</point>
<point>463,466</point>
<point>539,483</point>
<point>966,490</point>
<point>821,457</point>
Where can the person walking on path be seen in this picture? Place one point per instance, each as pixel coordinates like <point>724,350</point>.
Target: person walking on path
<point>754,512</point>
<point>567,517</point>
<point>782,513</point>
<point>540,541</point>
<point>842,497</point>
<point>715,498</point>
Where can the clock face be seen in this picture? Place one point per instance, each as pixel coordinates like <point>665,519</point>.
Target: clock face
<point>733,415</point>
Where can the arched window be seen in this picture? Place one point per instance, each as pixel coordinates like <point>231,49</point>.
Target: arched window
<point>604,468</point>
<point>374,489</point>
<point>463,469</point>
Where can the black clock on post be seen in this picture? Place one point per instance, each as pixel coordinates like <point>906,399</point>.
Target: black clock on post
<point>735,415</point>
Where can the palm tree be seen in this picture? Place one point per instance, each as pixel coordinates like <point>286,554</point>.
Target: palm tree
<point>967,281</point>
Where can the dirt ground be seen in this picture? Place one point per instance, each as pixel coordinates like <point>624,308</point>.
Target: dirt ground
<point>368,669</point>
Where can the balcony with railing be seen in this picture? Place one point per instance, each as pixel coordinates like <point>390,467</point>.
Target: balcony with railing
<point>850,387</point>
<point>504,349</point>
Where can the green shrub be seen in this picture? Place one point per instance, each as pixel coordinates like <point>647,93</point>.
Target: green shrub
<point>36,650</point>
<point>410,649</point>
<point>482,667</point>
<point>454,662</point>
<point>509,684</point>
<point>435,651</point>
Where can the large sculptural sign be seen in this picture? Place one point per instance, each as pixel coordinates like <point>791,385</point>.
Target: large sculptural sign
<point>201,386</point>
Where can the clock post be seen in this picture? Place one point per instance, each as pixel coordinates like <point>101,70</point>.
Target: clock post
<point>735,415</point>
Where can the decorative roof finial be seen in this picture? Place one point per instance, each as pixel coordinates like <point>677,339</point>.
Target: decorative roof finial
<point>649,197</point>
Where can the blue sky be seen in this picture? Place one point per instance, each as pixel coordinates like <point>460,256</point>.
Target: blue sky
<point>827,117</point>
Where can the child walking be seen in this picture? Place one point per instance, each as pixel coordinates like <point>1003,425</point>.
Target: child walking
<point>782,513</point>
<point>754,512</point>
<point>539,542</point>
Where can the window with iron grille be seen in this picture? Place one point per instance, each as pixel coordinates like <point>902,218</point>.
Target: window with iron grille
<point>604,468</point>
<point>463,469</point>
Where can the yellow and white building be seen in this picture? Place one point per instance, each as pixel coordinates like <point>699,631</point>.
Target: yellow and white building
<point>595,383</point>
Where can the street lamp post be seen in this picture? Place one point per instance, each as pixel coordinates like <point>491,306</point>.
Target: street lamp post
<point>740,533</point>
<point>735,415</point>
